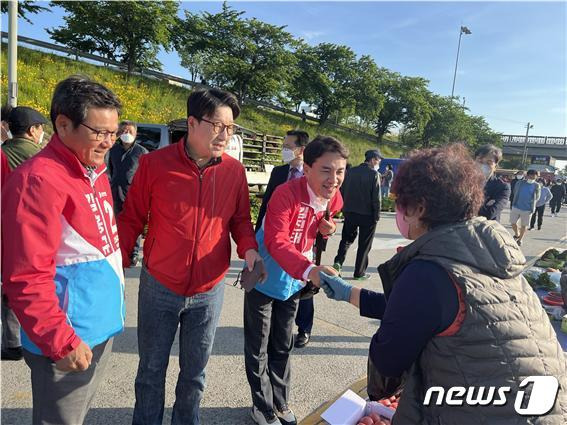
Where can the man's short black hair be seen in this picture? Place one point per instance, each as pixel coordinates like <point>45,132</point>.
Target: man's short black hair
<point>75,95</point>
<point>489,150</point>
<point>320,145</point>
<point>204,102</point>
<point>532,172</point>
<point>302,137</point>
<point>127,123</point>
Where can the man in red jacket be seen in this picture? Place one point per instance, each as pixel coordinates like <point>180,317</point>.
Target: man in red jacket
<point>294,215</point>
<point>61,265</point>
<point>193,197</point>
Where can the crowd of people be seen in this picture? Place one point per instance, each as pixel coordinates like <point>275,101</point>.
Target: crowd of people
<point>455,308</point>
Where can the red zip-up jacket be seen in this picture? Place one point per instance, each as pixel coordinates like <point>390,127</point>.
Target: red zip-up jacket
<point>290,226</point>
<point>191,215</point>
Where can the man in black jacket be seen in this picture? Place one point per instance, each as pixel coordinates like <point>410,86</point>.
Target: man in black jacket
<point>361,192</point>
<point>122,163</point>
<point>292,154</point>
<point>496,192</point>
<point>558,192</point>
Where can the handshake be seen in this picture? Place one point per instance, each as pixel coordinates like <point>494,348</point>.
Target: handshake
<point>327,278</point>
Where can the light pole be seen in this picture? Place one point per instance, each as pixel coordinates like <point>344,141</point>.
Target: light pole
<point>464,30</point>
<point>525,153</point>
<point>13,53</point>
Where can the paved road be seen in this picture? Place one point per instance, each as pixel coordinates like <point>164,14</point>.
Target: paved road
<point>334,359</point>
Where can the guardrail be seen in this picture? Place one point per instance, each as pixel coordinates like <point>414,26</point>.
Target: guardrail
<point>534,140</point>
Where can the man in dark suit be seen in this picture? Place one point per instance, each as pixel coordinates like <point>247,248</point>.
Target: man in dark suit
<point>362,202</point>
<point>292,154</point>
<point>496,192</point>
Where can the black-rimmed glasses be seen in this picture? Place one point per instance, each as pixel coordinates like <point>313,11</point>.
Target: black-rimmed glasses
<point>219,127</point>
<point>101,135</point>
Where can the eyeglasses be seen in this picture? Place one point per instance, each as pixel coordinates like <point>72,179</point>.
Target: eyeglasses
<point>101,135</point>
<point>219,127</point>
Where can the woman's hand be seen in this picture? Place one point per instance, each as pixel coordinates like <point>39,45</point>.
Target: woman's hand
<point>335,288</point>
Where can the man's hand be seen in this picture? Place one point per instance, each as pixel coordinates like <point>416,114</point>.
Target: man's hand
<point>335,288</point>
<point>314,274</point>
<point>251,256</point>
<point>327,227</point>
<point>77,360</point>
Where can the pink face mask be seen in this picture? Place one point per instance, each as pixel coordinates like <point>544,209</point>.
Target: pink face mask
<point>403,225</point>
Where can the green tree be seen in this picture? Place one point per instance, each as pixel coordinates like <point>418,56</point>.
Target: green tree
<point>130,32</point>
<point>325,78</point>
<point>246,56</point>
<point>368,96</point>
<point>447,123</point>
<point>405,103</point>
<point>24,7</point>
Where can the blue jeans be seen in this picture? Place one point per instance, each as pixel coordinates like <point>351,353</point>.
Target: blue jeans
<point>160,312</point>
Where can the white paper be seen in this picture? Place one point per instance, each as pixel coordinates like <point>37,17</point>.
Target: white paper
<point>347,410</point>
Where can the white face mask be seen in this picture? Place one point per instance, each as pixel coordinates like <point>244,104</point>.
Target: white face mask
<point>288,155</point>
<point>9,134</point>
<point>520,177</point>
<point>127,138</point>
<point>530,180</point>
<point>377,167</point>
<point>41,138</point>
<point>486,170</point>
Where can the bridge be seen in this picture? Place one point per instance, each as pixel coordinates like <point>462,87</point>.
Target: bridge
<point>555,147</point>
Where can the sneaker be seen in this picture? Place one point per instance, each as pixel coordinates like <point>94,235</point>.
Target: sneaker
<point>519,242</point>
<point>286,416</point>
<point>268,418</point>
<point>366,276</point>
<point>531,228</point>
<point>338,267</point>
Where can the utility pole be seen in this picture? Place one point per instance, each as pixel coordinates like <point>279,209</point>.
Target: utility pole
<point>464,30</point>
<point>13,53</point>
<point>525,153</point>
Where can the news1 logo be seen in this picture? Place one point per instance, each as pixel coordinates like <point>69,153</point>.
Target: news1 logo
<point>539,402</point>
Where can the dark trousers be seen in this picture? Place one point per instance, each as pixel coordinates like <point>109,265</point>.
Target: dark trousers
<point>10,327</point>
<point>351,227</point>
<point>539,213</point>
<point>305,313</point>
<point>268,340</point>
<point>555,205</point>
<point>64,398</point>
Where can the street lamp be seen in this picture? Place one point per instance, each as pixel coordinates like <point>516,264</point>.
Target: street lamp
<point>525,153</point>
<point>464,30</point>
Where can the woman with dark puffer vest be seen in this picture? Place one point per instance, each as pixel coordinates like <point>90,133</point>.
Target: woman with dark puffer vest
<point>456,310</point>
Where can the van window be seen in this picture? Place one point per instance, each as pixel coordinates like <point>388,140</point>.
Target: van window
<point>149,137</point>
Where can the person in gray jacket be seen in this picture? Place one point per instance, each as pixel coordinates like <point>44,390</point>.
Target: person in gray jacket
<point>526,194</point>
<point>456,310</point>
<point>122,163</point>
<point>545,197</point>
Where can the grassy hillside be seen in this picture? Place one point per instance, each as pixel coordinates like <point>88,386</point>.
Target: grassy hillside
<point>150,101</point>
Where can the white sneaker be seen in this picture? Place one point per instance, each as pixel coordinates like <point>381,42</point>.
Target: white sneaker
<point>287,417</point>
<point>261,419</point>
